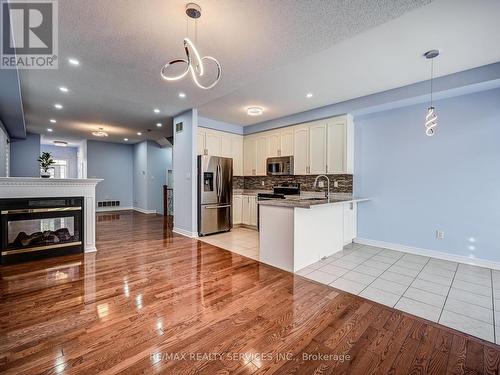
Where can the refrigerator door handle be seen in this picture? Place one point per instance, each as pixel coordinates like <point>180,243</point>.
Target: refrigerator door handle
<point>219,181</point>
<point>216,207</point>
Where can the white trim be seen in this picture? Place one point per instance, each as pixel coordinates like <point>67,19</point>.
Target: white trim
<point>113,208</point>
<point>184,232</point>
<point>430,253</point>
<point>90,249</point>
<point>144,211</point>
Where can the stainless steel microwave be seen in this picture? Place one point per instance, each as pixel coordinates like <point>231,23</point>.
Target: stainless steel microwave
<point>280,166</point>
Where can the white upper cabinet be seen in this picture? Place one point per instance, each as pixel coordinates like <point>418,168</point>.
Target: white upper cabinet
<point>217,143</point>
<point>336,139</point>
<point>237,154</point>
<point>317,148</point>
<point>286,148</point>
<point>200,142</point>
<point>213,143</point>
<point>274,143</point>
<point>261,153</point>
<point>249,162</point>
<point>301,149</point>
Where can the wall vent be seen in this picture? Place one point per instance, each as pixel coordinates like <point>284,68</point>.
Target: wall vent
<point>108,204</point>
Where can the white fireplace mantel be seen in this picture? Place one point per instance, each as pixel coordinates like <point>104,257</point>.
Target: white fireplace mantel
<point>32,187</point>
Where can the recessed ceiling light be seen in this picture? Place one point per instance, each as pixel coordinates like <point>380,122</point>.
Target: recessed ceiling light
<point>158,124</point>
<point>52,120</point>
<point>63,89</point>
<point>73,61</point>
<point>49,130</point>
<point>100,133</point>
<point>61,143</point>
<point>125,139</point>
<point>309,95</point>
<point>58,106</point>
<point>139,133</point>
<point>255,111</point>
<point>156,110</point>
<point>182,95</point>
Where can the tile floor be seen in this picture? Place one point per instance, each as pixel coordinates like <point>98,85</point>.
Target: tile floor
<point>239,240</point>
<point>463,297</point>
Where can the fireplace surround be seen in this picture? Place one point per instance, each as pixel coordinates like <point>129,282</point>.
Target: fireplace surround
<point>33,228</point>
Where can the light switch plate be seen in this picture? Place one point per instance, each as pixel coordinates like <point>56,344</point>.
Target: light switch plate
<point>321,184</point>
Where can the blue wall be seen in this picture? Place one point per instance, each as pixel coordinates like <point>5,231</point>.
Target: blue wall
<point>185,173</point>
<point>23,156</point>
<point>205,122</point>
<point>159,160</point>
<point>4,151</point>
<point>64,153</point>
<point>140,182</point>
<point>419,184</point>
<point>114,163</point>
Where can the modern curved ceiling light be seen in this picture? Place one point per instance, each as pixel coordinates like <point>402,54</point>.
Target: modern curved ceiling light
<point>100,133</point>
<point>255,111</point>
<point>193,62</point>
<point>58,106</point>
<point>61,143</point>
<point>63,89</point>
<point>53,121</point>
<point>73,61</point>
<point>431,117</point>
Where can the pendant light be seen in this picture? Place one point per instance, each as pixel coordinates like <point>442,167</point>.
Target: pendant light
<point>431,117</point>
<point>193,61</point>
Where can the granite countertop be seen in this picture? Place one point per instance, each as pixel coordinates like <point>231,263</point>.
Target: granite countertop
<point>308,201</point>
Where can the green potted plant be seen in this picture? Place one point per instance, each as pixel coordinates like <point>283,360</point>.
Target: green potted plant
<point>46,162</point>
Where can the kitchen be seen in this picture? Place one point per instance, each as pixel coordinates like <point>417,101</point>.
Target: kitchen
<point>285,164</point>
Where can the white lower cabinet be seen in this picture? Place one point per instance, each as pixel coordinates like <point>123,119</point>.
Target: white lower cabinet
<point>249,210</point>
<point>237,209</point>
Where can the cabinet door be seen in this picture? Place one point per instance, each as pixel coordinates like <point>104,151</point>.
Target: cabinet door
<point>301,150</point>
<point>213,143</point>
<point>317,149</point>
<point>237,209</point>
<point>249,156</point>
<point>226,146</point>
<point>261,153</point>
<point>350,222</point>
<point>336,146</point>
<point>200,142</point>
<point>245,217</point>
<point>274,144</point>
<point>237,155</point>
<point>286,147</point>
<point>253,210</point>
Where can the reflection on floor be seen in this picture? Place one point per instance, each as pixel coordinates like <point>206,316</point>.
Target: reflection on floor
<point>241,241</point>
<point>455,295</point>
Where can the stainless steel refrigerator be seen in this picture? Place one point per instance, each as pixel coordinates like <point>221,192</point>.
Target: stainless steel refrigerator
<point>215,191</point>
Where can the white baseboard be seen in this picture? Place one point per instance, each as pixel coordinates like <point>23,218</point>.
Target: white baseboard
<point>144,211</point>
<point>90,249</point>
<point>430,253</point>
<point>185,232</point>
<point>105,209</point>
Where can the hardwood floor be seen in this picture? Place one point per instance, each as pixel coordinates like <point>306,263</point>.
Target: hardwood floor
<point>150,301</point>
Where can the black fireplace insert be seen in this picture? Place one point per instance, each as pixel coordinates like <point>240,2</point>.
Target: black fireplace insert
<point>34,228</point>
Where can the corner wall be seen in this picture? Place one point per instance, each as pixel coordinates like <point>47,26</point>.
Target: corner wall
<point>185,174</point>
<point>23,156</point>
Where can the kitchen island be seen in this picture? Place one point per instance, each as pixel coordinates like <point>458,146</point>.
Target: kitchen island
<point>295,233</point>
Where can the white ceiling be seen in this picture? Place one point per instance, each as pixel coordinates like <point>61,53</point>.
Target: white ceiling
<point>272,53</point>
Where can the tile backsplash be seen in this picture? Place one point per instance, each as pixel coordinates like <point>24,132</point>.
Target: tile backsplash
<point>306,182</point>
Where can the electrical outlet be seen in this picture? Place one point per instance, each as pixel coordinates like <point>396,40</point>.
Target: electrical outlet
<point>335,184</point>
<point>321,184</point>
<point>439,234</point>
<point>262,183</point>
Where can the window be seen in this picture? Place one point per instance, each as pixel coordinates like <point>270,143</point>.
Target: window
<point>59,169</point>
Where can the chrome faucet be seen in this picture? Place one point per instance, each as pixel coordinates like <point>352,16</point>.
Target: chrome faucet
<point>327,192</point>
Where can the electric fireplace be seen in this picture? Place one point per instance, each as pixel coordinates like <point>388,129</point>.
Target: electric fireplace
<point>33,228</point>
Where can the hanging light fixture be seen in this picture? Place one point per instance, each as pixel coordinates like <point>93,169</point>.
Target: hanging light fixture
<point>431,117</point>
<point>193,61</point>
